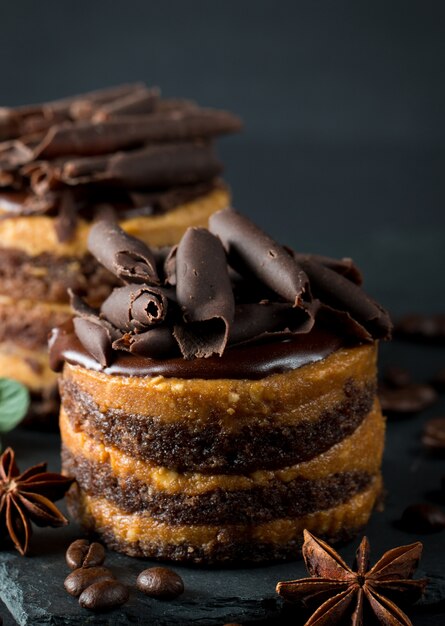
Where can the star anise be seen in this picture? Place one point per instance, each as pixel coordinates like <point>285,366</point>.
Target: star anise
<point>28,497</point>
<point>347,596</point>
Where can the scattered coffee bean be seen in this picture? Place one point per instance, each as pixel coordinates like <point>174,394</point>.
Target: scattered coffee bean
<point>397,377</point>
<point>438,380</point>
<point>423,518</point>
<point>428,328</point>
<point>433,436</point>
<point>83,554</point>
<point>160,582</point>
<point>81,578</point>
<point>405,400</point>
<point>104,595</point>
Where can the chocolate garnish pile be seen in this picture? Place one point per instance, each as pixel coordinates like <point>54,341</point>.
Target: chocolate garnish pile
<point>217,288</point>
<point>123,146</point>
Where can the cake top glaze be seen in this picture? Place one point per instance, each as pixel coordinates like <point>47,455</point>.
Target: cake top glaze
<point>123,147</point>
<point>223,298</point>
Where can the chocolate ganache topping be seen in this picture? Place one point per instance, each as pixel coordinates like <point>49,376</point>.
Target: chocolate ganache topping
<point>123,147</point>
<point>227,301</point>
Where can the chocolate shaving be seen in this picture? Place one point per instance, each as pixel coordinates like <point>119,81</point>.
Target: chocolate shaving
<point>151,167</point>
<point>126,257</point>
<point>39,117</point>
<point>337,292</point>
<point>135,307</point>
<point>170,266</point>
<point>204,294</point>
<point>140,102</point>
<point>95,338</point>
<point>258,321</point>
<point>95,334</point>
<point>156,343</point>
<point>252,251</point>
<point>67,217</point>
<point>345,324</point>
<point>345,266</point>
<point>94,138</point>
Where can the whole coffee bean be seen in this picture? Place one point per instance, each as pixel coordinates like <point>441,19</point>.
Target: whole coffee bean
<point>83,554</point>
<point>423,518</point>
<point>397,377</point>
<point>433,436</point>
<point>438,380</point>
<point>428,328</point>
<point>83,577</point>
<point>406,400</point>
<point>160,582</point>
<point>104,595</point>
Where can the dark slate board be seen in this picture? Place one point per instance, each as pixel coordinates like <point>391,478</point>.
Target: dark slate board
<point>32,587</point>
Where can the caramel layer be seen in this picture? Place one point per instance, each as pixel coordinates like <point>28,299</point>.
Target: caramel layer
<point>30,367</point>
<point>36,234</point>
<point>361,452</point>
<point>140,535</point>
<point>288,397</point>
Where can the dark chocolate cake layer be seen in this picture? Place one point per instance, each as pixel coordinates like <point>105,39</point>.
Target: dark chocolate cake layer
<point>138,535</point>
<point>294,498</point>
<point>212,447</point>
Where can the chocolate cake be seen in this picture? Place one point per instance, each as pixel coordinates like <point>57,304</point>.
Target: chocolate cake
<point>223,398</point>
<point>124,152</point>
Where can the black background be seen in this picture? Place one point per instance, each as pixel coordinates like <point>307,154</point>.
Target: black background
<point>343,151</point>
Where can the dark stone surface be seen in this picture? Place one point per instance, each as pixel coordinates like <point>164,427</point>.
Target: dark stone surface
<point>32,587</point>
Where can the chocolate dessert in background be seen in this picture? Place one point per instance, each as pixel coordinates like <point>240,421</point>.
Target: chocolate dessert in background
<point>222,398</point>
<point>125,152</point>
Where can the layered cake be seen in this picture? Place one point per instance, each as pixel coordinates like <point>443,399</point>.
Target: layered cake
<point>222,398</point>
<point>124,152</point>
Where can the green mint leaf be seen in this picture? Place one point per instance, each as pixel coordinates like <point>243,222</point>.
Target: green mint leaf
<point>14,403</point>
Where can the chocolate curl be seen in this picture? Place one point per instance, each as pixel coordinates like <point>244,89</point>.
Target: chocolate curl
<point>134,307</point>
<point>140,102</point>
<point>91,332</point>
<point>339,293</point>
<point>84,106</point>
<point>95,338</point>
<point>256,321</point>
<point>345,266</point>
<point>124,256</point>
<point>156,343</point>
<point>67,217</point>
<point>96,335</point>
<point>95,138</point>
<point>170,266</point>
<point>204,294</point>
<point>13,154</point>
<point>343,324</point>
<point>250,250</point>
<point>19,121</point>
<point>155,166</point>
